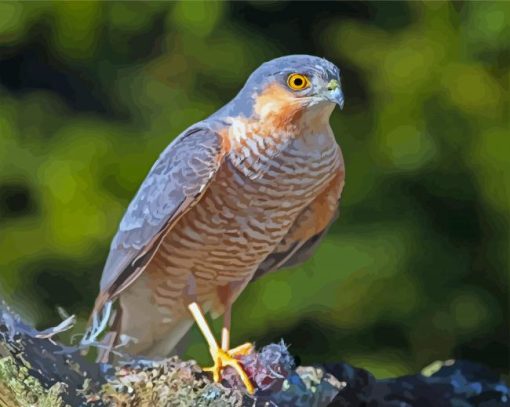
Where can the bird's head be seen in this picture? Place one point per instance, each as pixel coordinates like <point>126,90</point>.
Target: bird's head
<point>290,86</point>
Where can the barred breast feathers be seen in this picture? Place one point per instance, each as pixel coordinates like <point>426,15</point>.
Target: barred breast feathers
<point>302,151</point>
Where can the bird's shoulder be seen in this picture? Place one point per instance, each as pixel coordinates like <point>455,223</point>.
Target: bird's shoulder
<point>175,183</point>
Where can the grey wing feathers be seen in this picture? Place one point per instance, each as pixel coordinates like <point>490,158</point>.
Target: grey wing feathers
<point>173,185</point>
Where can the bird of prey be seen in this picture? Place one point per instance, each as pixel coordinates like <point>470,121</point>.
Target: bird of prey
<point>247,191</point>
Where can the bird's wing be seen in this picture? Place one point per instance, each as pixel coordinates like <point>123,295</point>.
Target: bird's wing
<point>289,255</point>
<point>175,184</point>
<point>307,231</point>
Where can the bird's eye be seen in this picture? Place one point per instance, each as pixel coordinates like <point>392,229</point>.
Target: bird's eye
<point>297,81</point>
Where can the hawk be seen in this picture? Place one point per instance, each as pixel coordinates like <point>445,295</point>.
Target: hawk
<point>249,190</point>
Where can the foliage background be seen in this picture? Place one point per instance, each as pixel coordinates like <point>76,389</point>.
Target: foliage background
<point>416,268</point>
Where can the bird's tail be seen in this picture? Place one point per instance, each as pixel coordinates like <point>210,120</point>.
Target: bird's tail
<point>98,322</point>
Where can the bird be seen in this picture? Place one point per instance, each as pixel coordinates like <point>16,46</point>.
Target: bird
<point>249,190</point>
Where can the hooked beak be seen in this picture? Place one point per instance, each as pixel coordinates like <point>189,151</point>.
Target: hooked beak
<point>335,94</point>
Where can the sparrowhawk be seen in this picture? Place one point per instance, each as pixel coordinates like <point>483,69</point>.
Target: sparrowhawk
<point>245,192</point>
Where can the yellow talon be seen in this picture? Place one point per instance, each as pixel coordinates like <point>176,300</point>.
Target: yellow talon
<point>223,359</point>
<point>242,350</point>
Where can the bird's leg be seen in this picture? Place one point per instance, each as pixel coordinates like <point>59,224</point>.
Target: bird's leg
<point>220,357</point>
<point>225,331</point>
<point>240,350</point>
<point>197,313</point>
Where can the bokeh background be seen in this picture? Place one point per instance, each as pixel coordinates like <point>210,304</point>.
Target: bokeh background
<point>417,267</point>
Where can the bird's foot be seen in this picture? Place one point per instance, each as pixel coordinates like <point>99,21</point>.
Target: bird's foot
<point>241,350</point>
<point>222,359</point>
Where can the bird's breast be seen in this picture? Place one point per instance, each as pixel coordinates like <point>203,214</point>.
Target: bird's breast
<point>269,179</point>
<point>249,207</point>
<point>302,155</point>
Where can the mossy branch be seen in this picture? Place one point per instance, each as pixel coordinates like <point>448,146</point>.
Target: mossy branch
<point>35,370</point>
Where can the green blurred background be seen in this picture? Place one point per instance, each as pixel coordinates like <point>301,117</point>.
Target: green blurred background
<point>416,268</point>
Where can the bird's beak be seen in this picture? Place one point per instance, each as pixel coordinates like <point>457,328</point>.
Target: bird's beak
<point>335,94</point>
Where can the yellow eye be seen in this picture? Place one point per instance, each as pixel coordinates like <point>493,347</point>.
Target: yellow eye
<point>297,81</point>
